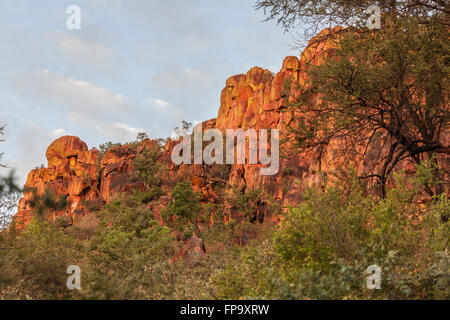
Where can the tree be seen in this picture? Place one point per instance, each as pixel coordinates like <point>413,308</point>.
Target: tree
<point>104,147</point>
<point>2,133</point>
<point>313,16</point>
<point>391,82</point>
<point>142,136</point>
<point>185,207</point>
<point>148,169</point>
<point>8,202</point>
<point>47,202</point>
<point>184,130</point>
<point>33,265</point>
<point>9,193</point>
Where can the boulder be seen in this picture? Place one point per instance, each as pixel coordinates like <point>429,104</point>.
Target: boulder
<point>65,151</point>
<point>193,252</point>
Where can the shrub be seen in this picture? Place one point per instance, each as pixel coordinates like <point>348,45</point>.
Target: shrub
<point>85,228</point>
<point>35,263</point>
<point>128,254</point>
<point>183,212</point>
<point>324,246</point>
<point>148,169</point>
<point>153,194</point>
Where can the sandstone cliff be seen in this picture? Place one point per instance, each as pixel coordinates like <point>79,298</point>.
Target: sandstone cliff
<point>257,99</point>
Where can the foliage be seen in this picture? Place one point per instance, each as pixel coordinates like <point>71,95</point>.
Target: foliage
<point>313,15</point>
<point>9,192</point>
<point>183,212</point>
<point>9,197</point>
<point>183,130</point>
<point>85,227</point>
<point>142,136</point>
<point>148,196</point>
<point>34,265</point>
<point>320,251</point>
<point>148,169</point>
<point>324,246</point>
<point>248,203</point>
<point>104,147</point>
<point>48,201</point>
<point>385,87</point>
<point>127,253</point>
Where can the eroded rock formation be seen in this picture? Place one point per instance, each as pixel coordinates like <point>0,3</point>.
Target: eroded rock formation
<point>258,100</point>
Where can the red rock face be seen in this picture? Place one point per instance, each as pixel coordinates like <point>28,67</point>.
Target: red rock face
<point>117,172</point>
<point>258,100</point>
<point>65,151</point>
<point>193,252</point>
<point>71,173</point>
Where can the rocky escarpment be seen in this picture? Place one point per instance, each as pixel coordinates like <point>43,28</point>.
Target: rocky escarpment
<point>258,100</point>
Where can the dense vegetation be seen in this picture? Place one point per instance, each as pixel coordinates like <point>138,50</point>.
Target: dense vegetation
<point>320,251</point>
<point>391,82</point>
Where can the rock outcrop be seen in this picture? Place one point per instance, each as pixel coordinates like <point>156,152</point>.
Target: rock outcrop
<point>193,252</point>
<point>71,173</point>
<point>258,100</point>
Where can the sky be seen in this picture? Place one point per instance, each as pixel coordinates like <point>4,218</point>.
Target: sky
<point>133,66</point>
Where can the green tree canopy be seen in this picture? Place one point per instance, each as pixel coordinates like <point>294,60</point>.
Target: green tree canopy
<point>391,82</point>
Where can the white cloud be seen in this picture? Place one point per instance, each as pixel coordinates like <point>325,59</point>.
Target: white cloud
<point>79,96</point>
<point>86,105</point>
<point>187,79</point>
<point>179,54</point>
<point>157,102</point>
<point>120,131</point>
<point>89,53</point>
<point>25,147</point>
<point>57,133</point>
<point>108,129</point>
<point>105,114</point>
<point>85,51</point>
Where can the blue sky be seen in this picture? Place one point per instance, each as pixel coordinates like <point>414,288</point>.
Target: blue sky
<point>135,65</point>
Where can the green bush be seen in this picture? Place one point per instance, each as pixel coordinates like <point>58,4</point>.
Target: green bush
<point>184,211</point>
<point>128,254</point>
<point>324,246</point>
<point>321,250</point>
<point>34,265</point>
<point>153,194</point>
<point>148,169</point>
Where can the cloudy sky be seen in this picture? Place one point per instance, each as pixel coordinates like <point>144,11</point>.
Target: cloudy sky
<point>135,65</point>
